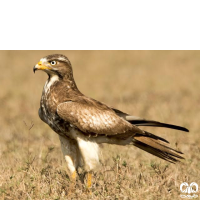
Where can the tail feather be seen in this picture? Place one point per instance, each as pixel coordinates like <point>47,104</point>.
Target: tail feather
<point>154,147</point>
<point>148,134</point>
<point>150,142</point>
<point>143,122</point>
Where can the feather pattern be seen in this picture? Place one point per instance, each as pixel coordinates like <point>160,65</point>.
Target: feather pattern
<point>94,119</point>
<point>82,122</point>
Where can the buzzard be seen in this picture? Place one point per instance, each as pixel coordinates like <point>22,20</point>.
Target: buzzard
<point>83,123</point>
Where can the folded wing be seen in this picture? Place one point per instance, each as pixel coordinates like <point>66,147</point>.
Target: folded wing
<point>94,119</point>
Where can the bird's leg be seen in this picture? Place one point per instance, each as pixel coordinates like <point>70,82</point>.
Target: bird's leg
<point>73,176</point>
<point>89,180</point>
<point>69,149</point>
<point>89,151</point>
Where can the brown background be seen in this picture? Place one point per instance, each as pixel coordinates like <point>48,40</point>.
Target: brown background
<point>158,85</point>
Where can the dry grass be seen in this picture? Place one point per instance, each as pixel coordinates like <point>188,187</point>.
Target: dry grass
<point>159,85</point>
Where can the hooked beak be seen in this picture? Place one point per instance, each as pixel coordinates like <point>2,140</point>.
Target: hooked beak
<point>40,66</point>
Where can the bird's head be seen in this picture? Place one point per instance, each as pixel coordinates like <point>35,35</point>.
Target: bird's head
<point>55,65</point>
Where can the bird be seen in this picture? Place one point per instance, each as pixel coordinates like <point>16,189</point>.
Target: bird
<point>83,123</point>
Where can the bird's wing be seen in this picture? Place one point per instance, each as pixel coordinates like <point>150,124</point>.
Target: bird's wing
<point>143,122</point>
<point>94,118</point>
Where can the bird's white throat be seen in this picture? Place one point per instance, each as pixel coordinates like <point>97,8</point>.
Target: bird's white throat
<point>50,82</point>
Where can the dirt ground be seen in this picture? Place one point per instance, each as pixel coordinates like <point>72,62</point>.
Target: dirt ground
<point>157,85</point>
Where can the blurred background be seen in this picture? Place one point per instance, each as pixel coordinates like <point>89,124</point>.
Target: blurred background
<point>157,85</point>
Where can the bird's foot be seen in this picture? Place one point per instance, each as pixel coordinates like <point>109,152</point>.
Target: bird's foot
<point>73,176</point>
<point>89,182</point>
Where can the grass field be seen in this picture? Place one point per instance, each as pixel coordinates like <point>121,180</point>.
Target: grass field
<point>158,85</point>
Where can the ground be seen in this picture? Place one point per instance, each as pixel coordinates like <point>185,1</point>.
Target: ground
<point>158,85</point>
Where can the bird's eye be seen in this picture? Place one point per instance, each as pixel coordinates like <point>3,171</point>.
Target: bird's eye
<point>53,62</point>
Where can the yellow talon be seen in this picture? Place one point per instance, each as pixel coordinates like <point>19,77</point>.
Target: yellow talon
<point>89,180</point>
<point>73,176</point>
